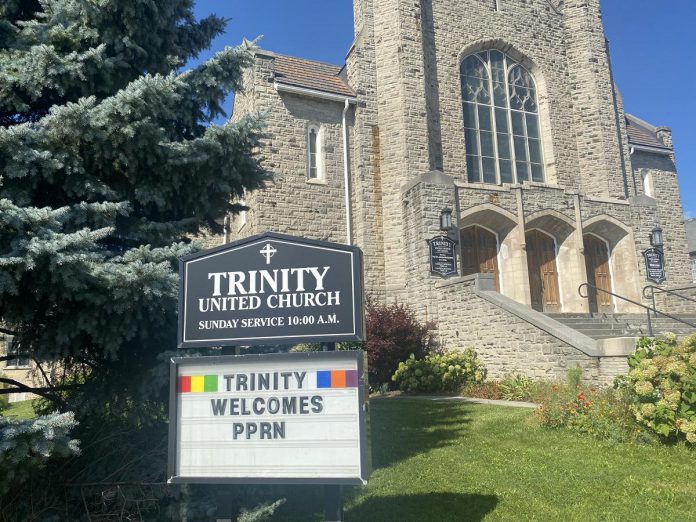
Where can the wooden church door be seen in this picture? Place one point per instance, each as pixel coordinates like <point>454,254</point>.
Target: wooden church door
<point>598,274</point>
<point>479,252</point>
<point>543,275</point>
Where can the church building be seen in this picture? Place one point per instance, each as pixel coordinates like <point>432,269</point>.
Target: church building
<point>498,124</point>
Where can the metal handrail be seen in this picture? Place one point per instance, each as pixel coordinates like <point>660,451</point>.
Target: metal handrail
<point>673,291</point>
<point>647,308</point>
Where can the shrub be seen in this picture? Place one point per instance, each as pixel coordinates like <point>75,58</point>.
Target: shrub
<point>603,413</point>
<point>439,373</point>
<point>483,390</point>
<point>662,387</point>
<point>513,387</point>
<point>517,388</point>
<point>393,334</point>
<point>316,347</point>
<point>575,377</point>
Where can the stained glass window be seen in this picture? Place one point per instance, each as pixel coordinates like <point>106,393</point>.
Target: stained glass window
<point>501,120</point>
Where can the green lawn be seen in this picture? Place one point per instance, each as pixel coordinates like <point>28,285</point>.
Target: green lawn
<point>444,461</point>
<point>19,410</point>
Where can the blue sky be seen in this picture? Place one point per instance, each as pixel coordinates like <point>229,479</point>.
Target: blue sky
<point>652,49</point>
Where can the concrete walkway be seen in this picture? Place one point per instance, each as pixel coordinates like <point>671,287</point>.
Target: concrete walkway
<point>492,402</point>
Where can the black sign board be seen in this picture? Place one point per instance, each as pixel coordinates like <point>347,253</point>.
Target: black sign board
<point>443,258</point>
<point>271,289</point>
<point>655,265</point>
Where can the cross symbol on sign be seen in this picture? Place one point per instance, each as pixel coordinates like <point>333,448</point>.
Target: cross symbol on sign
<point>268,252</point>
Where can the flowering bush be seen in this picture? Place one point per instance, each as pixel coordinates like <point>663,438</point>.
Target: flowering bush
<point>662,387</point>
<point>603,413</point>
<point>439,373</point>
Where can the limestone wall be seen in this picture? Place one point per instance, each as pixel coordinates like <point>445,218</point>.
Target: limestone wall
<point>366,148</point>
<point>669,214</point>
<point>507,344</point>
<point>675,305</point>
<point>597,121</point>
<point>292,203</point>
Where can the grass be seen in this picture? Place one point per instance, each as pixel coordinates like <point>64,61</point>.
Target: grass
<point>445,461</point>
<point>19,410</point>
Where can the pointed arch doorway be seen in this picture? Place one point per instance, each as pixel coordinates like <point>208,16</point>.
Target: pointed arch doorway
<point>543,274</point>
<point>479,252</point>
<point>598,274</point>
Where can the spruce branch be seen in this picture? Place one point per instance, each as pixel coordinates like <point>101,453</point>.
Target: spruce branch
<point>8,332</point>
<point>44,391</point>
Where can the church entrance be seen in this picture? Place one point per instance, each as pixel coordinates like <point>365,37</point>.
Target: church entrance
<point>479,252</point>
<point>598,274</point>
<point>543,275</point>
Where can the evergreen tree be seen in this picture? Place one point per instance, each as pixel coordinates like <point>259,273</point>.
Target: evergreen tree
<point>109,164</point>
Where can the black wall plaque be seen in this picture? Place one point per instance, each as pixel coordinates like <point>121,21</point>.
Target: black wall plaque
<point>443,256</point>
<point>655,265</point>
<point>271,289</point>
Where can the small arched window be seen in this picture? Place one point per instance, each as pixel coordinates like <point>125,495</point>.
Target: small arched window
<point>501,120</point>
<point>314,152</point>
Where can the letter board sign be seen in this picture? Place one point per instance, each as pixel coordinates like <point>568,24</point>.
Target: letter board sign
<point>271,289</point>
<point>279,418</point>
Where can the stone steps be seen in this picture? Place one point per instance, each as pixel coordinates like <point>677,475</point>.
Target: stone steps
<point>608,326</point>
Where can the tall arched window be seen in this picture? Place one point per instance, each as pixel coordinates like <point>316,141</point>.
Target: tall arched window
<point>501,120</point>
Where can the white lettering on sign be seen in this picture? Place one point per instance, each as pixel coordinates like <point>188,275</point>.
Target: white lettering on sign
<point>284,288</point>
<point>263,281</point>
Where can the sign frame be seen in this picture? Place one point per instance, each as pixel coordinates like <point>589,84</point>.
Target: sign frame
<point>357,355</point>
<point>655,251</point>
<point>358,328</point>
<point>453,244</point>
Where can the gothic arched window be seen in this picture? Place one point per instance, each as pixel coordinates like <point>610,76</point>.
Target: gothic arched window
<point>501,120</point>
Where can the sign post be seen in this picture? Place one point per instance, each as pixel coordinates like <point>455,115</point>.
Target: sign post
<point>333,496</point>
<point>285,418</point>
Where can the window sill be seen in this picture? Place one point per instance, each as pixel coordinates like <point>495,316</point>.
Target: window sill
<point>506,187</point>
<point>17,368</point>
<point>483,186</point>
<point>316,182</point>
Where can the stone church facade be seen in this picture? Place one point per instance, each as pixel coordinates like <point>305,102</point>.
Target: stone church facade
<point>505,112</point>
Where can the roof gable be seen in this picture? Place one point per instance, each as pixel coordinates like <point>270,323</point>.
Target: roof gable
<point>310,74</point>
<point>642,134</point>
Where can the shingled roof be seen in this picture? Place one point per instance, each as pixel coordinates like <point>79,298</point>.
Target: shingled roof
<point>310,74</point>
<point>643,134</point>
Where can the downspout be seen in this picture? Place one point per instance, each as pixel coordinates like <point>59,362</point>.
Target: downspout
<point>346,175</point>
